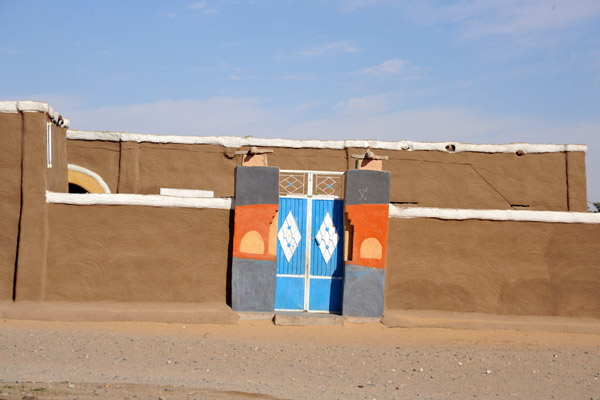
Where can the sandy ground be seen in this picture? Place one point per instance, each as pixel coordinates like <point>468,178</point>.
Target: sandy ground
<point>257,360</point>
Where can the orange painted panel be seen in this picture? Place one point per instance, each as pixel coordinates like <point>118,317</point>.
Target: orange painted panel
<point>256,217</point>
<point>368,221</point>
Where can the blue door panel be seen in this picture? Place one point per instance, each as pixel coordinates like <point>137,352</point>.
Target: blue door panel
<point>323,210</point>
<point>325,295</point>
<point>289,293</point>
<point>296,264</point>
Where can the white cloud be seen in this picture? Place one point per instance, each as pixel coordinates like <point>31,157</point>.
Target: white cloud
<point>329,48</point>
<point>197,5</point>
<point>202,5</point>
<point>394,66</point>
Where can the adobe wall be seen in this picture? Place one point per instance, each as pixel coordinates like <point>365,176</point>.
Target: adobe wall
<point>27,169</point>
<point>136,253</point>
<point>488,181</point>
<point>146,167</point>
<point>553,181</point>
<point>11,126</point>
<point>497,267</point>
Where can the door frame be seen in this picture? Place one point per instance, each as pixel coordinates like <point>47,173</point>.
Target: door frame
<point>309,195</point>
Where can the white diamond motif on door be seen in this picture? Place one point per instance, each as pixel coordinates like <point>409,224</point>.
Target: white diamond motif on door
<point>289,236</point>
<point>327,238</point>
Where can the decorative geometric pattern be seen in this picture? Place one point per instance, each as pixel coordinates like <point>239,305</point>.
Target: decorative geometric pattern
<point>289,236</point>
<point>329,185</point>
<point>327,238</point>
<point>291,184</point>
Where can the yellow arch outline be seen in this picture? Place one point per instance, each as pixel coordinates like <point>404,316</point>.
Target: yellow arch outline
<point>88,180</point>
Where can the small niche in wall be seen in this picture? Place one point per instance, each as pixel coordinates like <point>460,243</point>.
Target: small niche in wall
<point>519,206</point>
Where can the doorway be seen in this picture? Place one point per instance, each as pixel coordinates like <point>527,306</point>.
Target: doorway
<point>310,244</point>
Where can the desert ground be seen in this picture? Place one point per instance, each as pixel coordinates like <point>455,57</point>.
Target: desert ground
<point>258,360</point>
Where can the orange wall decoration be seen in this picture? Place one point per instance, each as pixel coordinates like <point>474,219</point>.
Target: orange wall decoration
<point>370,221</point>
<point>253,219</point>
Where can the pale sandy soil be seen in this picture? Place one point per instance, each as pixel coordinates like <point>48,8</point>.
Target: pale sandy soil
<point>255,359</point>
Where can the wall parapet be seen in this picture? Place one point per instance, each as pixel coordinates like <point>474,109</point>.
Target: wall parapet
<point>495,215</point>
<point>151,200</point>
<point>235,142</point>
<point>22,106</point>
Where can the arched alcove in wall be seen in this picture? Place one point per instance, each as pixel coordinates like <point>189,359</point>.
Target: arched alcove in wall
<point>83,178</point>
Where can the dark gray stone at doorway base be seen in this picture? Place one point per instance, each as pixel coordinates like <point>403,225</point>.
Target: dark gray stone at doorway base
<point>253,284</point>
<point>363,291</point>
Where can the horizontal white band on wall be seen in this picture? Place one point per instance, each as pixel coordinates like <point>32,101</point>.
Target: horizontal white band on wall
<point>152,200</point>
<point>187,193</point>
<point>34,106</point>
<point>235,142</point>
<point>495,215</point>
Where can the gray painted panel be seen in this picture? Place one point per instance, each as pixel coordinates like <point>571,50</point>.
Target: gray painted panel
<point>367,187</point>
<point>252,284</point>
<point>363,291</point>
<point>256,185</point>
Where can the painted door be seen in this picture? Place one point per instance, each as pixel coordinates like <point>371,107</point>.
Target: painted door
<point>309,255</point>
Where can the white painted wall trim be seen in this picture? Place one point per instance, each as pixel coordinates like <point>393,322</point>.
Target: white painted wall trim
<point>92,174</point>
<point>152,200</point>
<point>495,215</point>
<point>395,211</point>
<point>34,106</point>
<point>235,142</point>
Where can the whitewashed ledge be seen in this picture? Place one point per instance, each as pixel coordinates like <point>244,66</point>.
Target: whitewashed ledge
<point>495,215</point>
<point>405,145</point>
<point>152,200</point>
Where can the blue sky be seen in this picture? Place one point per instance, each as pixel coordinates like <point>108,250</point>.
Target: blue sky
<point>493,71</point>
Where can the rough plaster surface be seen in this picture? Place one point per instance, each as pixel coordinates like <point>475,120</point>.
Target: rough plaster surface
<point>367,187</point>
<point>136,253</point>
<point>256,185</point>
<point>519,268</point>
<point>99,157</point>
<point>363,291</point>
<point>486,181</point>
<point>252,284</point>
<point>11,126</point>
